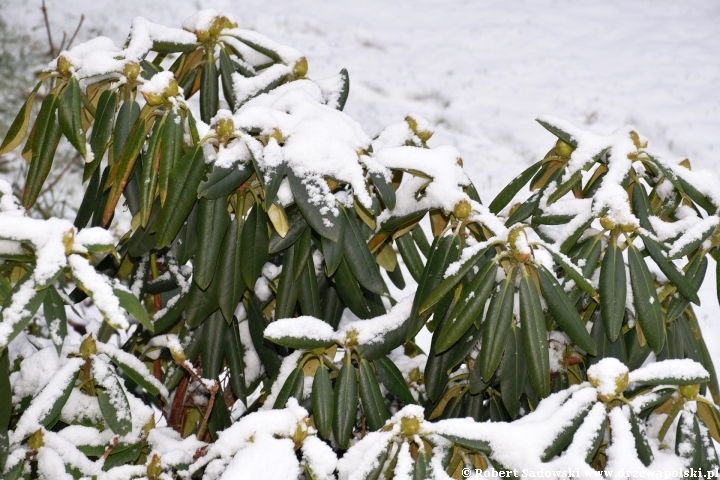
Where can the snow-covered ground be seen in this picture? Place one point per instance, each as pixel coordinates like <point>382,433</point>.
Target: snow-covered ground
<point>482,71</point>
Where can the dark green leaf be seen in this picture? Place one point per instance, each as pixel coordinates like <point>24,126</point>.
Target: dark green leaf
<point>374,408</point>
<point>345,91</point>
<point>410,256</point>
<point>44,143</point>
<point>565,436</point>
<point>209,96</point>
<point>297,225</point>
<point>641,444</point>
<point>326,224</point>
<point>358,256</point>
<point>212,345</point>
<point>54,310</point>
<point>613,290</point>
<point>115,407</point>
<point>345,404</point>
<point>230,282</point>
<point>496,327</point>
<point>222,181</point>
<point>309,295</point>
<point>384,188</point>
<point>469,307</point>
<point>170,151</point>
<point>349,291</point>
<point>69,112</point>
<point>393,380</point>
<point>564,312</point>
<point>288,289</point>
<point>322,401</point>
<point>255,241</point>
<point>512,374</point>
<point>534,336</point>
<point>293,387</point>
<point>213,220</point>
<point>683,285</point>
<point>130,302</point>
<point>509,192</point>
<point>235,357</point>
<point>257,324</point>
<point>18,129</point>
<point>647,304</point>
<point>226,71</point>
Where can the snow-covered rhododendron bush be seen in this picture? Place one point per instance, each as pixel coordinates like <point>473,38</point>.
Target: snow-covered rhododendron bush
<point>224,304</point>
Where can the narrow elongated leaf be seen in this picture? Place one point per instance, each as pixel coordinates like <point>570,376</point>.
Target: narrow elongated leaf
<point>222,181</point>
<point>345,404</point>
<point>384,189</point>
<point>344,91</point>
<point>235,357</point>
<point>325,223</point>
<point>376,412</point>
<point>445,250</point>
<point>54,310</point>
<point>301,253</point>
<point>257,324</point>
<point>390,376</point>
<point>209,96</point>
<point>710,416</point>
<point>468,308</point>
<point>690,244</point>
<point>564,312</point>
<point>89,201</point>
<point>451,281</point>
<point>288,289</point>
<point>496,327</point>
<point>201,303</point>
<point>186,177</point>
<point>565,436</point>
<point>509,192</point>
<point>322,401</point>
<point>512,374</point>
<point>410,256</point>
<point>123,167</point>
<point>226,71</point>
<point>534,336</point>
<point>695,274</point>
<point>349,291</point>
<point>126,118</point>
<point>149,171</point>
<point>683,285</point>
<point>69,112</point>
<point>130,302</point>
<point>291,388</point>
<point>5,407</point>
<point>213,221</point>
<point>18,129</point>
<point>309,294</point>
<point>44,143</point>
<point>358,257</point>
<point>647,304</point>
<point>641,206</point>
<point>115,407</point>
<point>688,442</point>
<point>571,271</point>
<point>641,445</point>
<point>171,150</point>
<point>613,290</point>
<point>255,242</point>
<point>230,282</point>
<point>212,345</point>
<point>297,226</point>
<point>590,255</point>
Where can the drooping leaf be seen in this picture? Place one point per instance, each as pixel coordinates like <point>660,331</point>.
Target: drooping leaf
<point>534,336</point>
<point>345,404</point>
<point>647,304</point>
<point>613,290</point>
<point>322,401</point>
<point>213,221</point>
<point>69,112</point>
<point>115,407</point>
<point>255,241</point>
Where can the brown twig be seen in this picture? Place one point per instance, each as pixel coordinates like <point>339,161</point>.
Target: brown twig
<point>47,28</point>
<point>57,179</point>
<point>72,39</point>
<point>110,448</point>
<point>203,426</point>
<point>178,407</point>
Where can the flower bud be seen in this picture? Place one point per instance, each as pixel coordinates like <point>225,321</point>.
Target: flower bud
<point>606,223</point>
<point>563,149</point>
<point>64,65</point>
<point>462,209</point>
<point>88,347</point>
<point>171,90</point>
<point>409,426</point>
<point>36,440</point>
<point>690,391</point>
<point>225,127</point>
<point>301,68</point>
<point>131,71</point>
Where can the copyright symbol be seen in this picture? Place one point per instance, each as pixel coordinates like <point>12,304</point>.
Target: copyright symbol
<point>466,472</point>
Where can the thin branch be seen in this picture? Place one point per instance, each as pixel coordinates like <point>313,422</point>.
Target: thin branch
<point>203,426</point>
<point>57,179</point>
<point>47,27</point>
<point>72,39</point>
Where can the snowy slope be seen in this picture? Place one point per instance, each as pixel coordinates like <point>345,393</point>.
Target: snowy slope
<point>482,71</point>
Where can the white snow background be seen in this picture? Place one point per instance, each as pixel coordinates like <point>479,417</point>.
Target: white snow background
<point>482,71</point>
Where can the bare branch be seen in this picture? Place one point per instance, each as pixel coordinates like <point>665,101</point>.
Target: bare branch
<point>72,39</point>
<point>47,28</point>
